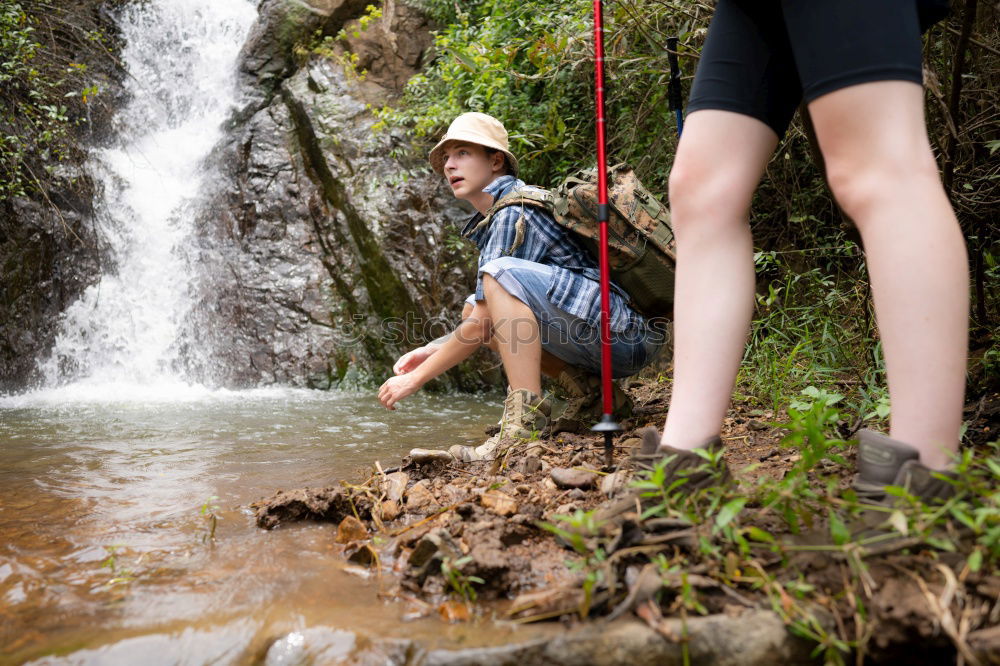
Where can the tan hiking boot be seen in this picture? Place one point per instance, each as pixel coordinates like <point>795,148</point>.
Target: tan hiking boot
<point>524,414</point>
<point>883,461</point>
<point>584,404</point>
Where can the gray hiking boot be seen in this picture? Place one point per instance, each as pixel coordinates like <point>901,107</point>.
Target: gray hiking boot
<point>883,461</point>
<point>524,414</point>
<point>688,467</point>
<point>584,405</point>
<point>681,464</point>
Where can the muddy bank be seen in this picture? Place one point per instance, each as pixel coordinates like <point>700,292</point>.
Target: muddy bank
<point>467,542</point>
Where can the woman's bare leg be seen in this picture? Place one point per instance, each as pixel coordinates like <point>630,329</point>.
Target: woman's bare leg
<point>719,163</point>
<point>883,174</point>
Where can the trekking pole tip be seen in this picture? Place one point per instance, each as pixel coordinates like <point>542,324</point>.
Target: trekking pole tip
<point>609,427</point>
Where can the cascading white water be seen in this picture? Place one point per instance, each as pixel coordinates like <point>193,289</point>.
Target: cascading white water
<point>181,58</point>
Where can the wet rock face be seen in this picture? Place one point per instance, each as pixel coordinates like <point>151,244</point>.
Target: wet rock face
<point>333,255</point>
<point>48,256</point>
<point>268,58</point>
<point>49,252</point>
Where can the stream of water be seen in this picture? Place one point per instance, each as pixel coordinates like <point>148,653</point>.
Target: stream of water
<point>104,549</point>
<point>111,472</point>
<point>181,86</point>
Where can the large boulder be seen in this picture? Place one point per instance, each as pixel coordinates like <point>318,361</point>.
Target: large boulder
<point>331,254</point>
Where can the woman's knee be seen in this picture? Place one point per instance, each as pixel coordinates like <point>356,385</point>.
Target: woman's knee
<point>718,165</point>
<point>708,194</point>
<point>861,187</point>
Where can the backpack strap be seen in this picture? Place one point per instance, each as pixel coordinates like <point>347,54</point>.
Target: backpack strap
<point>527,196</point>
<point>535,197</point>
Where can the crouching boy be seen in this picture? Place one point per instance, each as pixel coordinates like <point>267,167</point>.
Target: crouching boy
<point>537,300</point>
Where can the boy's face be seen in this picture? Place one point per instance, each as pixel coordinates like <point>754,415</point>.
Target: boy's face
<point>468,168</point>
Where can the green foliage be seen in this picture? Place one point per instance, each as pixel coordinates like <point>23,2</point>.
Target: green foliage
<point>580,530</point>
<point>530,64</point>
<point>42,122</point>
<point>461,583</point>
<point>118,573</point>
<point>975,509</point>
<point>727,520</point>
<point>512,61</point>
<point>208,513</point>
<point>46,87</point>
<point>337,47</point>
<point>803,492</point>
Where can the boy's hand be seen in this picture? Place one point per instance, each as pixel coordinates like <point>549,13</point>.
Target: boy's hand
<point>396,388</point>
<point>409,361</point>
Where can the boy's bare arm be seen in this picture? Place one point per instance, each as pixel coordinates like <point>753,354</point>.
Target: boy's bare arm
<point>459,345</point>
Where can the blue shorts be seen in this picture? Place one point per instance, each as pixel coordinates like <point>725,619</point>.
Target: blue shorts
<point>567,336</point>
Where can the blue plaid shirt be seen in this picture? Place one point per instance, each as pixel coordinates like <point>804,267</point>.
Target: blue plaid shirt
<point>575,285</point>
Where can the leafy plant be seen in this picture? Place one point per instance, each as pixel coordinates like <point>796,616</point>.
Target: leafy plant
<point>211,519</point>
<point>461,583</point>
<point>119,574</point>
<point>46,89</point>
<point>580,528</point>
<point>810,432</point>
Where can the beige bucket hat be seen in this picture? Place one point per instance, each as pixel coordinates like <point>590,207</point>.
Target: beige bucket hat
<point>473,127</point>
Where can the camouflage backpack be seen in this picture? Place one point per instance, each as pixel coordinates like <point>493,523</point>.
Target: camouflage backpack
<point>640,238</point>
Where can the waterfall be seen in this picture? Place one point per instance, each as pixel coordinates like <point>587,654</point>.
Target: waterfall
<point>126,330</point>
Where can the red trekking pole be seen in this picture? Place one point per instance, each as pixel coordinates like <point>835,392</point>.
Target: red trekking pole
<point>607,424</point>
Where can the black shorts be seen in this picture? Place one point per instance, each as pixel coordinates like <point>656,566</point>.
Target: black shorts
<point>763,57</point>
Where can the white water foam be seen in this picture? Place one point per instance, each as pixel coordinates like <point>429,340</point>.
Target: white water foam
<point>90,392</point>
<point>123,336</point>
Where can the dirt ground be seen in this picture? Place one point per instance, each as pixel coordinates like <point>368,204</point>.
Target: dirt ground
<point>465,539</point>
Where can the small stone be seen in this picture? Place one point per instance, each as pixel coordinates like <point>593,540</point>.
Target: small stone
<point>454,611</point>
<point>450,494</point>
<point>566,509</point>
<point>576,493</point>
<point>364,555</point>
<point>424,456</point>
<point>427,555</point>
<point>390,509</point>
<point>351,529</point>
<point>549,484</point>
<point>395,485</point>
<point>516,477</point>
<point>424,551</point>
<point>612,484</point>
<point>499,503</point>
<point>531,464</point>
<point>733,610</point>
<point>419,496</point>
<point>572,478</point>
<point>414,609</point>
